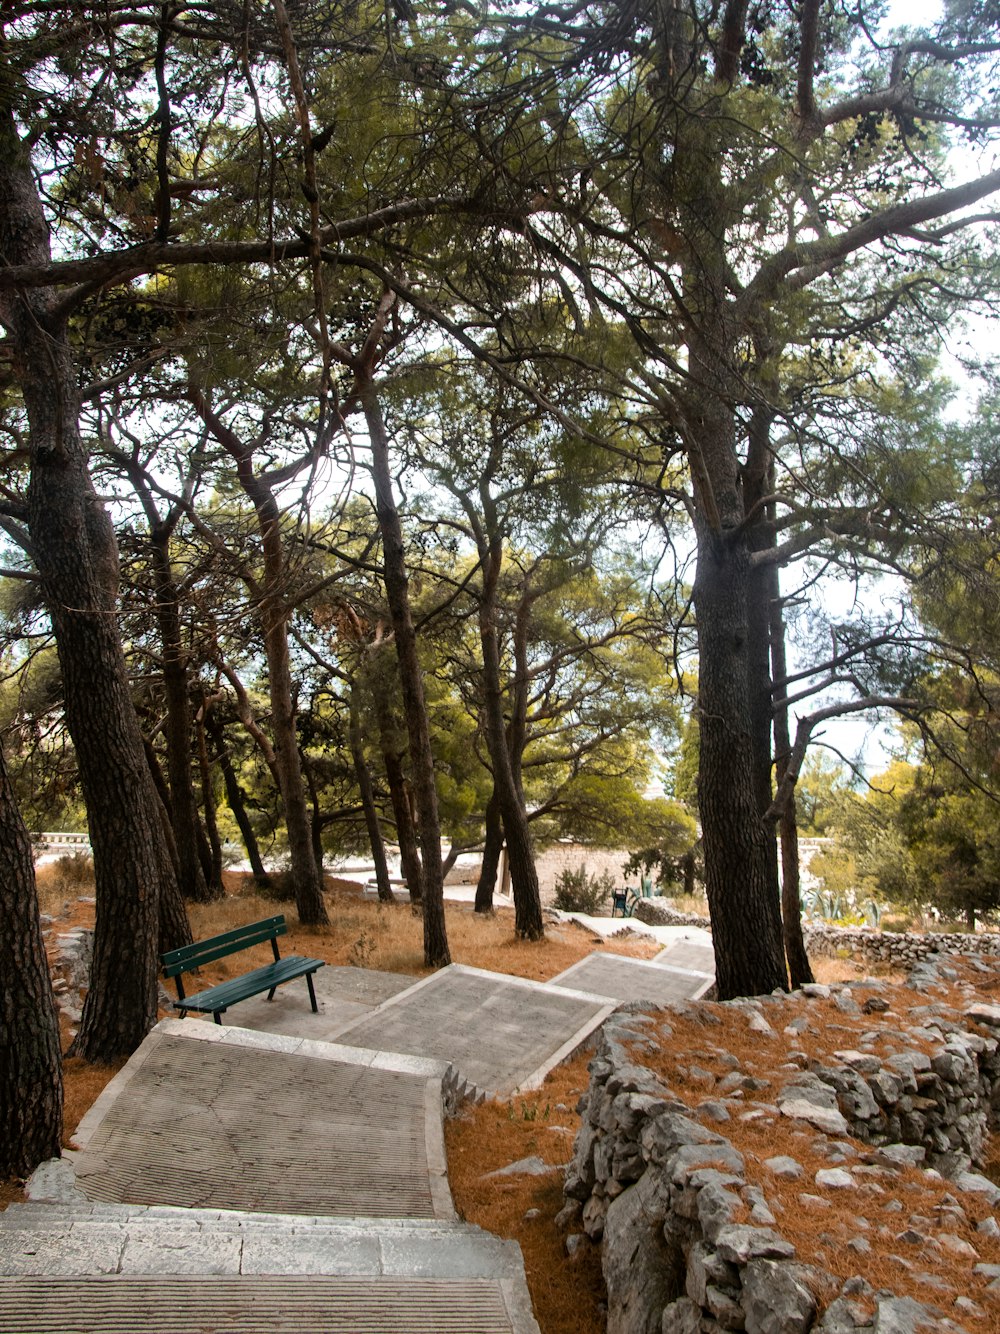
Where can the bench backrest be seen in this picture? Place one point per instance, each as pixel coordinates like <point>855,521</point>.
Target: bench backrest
<point>217,947</point>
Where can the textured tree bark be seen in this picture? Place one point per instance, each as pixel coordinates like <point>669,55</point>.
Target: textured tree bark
<point>524,875</point>
<point>436,952</point>
<point>740,857</point>
<point>273,612</point>
<point>757,478</point>
<point>31,1090</point>
<point>73,546</point>
<point>367,790</point>
<point>739,866</point>
<point>177,724</point>
<point>492,848</point>
<point>799,968</point>
<point>234,797</point>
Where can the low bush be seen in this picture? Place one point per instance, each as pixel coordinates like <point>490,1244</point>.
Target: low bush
<point>576,891</point>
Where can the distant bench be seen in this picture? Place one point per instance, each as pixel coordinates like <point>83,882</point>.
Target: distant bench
<point>216,1000</point>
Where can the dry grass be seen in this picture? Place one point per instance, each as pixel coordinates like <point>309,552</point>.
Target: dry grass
<point>389,937</point>
<point>567,1294</point>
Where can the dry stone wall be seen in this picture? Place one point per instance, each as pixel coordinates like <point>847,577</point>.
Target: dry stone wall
<point>898,948</point>
<point>668,1197</point>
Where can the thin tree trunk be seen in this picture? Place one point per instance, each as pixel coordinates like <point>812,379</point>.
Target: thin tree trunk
<point>367,790</point>
<point>524,875</point>
<point>492,847</point>
<point>756,475</point>
<point>234,798</point>
<point>436,952</point>
<point>177,724</point>
<point>73,546</point>
<point>392,760</point>
<point>316,815</point>
<point>274,612</point>
<point>175,929</point>
<point>31,1089</point>
<point>214,882</point>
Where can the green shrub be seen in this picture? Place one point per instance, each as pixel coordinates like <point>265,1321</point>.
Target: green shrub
<point>576,891</point>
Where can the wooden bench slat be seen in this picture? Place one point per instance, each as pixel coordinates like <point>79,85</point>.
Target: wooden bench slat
<point>234,989</point>
<point>217,947</point>
<point>216,1000</point>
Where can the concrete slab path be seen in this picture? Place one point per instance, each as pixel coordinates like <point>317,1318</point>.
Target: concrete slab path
<point>342,994</point>
<point>693,956</point>
<point>634,979</point>
<point>211,1116</point>
<point>501,1033</point>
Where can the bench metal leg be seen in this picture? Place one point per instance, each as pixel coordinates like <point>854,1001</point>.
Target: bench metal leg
<point>312,993</point>
<point>270,994</point>
<point>217,1016</point>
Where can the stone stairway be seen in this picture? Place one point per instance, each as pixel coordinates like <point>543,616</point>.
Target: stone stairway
<point>232,1181</point>
<point>99,1268</point>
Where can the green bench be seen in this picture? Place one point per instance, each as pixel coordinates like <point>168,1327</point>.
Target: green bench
<point>216,1000</point>
<point>623,901</point>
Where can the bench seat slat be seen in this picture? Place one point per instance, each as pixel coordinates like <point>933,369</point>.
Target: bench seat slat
<point>218,998</point>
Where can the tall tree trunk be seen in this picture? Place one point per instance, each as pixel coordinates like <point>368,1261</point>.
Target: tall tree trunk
<point>234,798</point>
<point>395,776</point>
<point>31,1089</point>
<point>799,968</point>
<point>163,801</point>
<point>739,864</point>
<point>757,475</point>
<point>316,815</point>
<point>177,724</point>
<point>73,546</point>
<point>367,790</point>
<point>274,612</point>
<point>492,847</point>
<point>436,953</point>
<point>524,875</point>
<point>175,929</point>
<point>305,870</point>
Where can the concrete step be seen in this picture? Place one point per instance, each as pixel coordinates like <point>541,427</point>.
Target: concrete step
<point>204,1116</point>
<point>279,1305</point>
<point>104,1268</point>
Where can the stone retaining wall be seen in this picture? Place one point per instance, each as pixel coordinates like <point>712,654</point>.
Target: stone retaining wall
<point>898,948</point>
<point>667,1194</point>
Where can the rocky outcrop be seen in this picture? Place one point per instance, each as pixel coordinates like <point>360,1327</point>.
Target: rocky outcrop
<point>689,1244</point>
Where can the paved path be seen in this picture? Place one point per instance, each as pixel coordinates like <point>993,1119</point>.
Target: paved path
<point>219,1117</point>
<point>116,1269</point>
<point>294,1180</point>
<point>502,1033</point>
<point>636,979</point>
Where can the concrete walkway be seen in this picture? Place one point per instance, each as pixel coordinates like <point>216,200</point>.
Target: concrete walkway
<point>294,1180</point>
<point>502,1033</point>
<point>638,979</point>
<point>213,1117</point>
